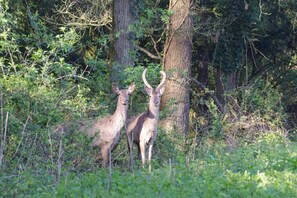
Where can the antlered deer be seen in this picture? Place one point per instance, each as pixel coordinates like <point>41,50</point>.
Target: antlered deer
<point>106,131</point>
<point>142,129</point>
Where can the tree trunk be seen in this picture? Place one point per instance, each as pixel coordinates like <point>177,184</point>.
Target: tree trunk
<point>122,41</point>
<point>177,65</point>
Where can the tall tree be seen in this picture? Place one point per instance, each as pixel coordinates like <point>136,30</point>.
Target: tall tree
<point>177,65</point>
<point>122,45</point>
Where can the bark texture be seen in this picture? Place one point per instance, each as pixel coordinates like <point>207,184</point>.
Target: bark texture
<point>177,65</point>
<point>122,42</point>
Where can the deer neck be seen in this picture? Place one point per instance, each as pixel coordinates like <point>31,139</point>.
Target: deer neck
<point>120,115</point>
<point>153,112</point>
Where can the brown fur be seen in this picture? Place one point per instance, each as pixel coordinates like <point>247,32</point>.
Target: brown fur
<point>142,129</point>
<point>106,131</point>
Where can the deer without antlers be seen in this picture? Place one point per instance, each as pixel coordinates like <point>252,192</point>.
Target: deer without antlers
<point>142,129</point>
<point>106,131</point>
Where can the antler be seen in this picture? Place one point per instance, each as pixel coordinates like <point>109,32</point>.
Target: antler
<point>162,83</point>
<point>144,79</point>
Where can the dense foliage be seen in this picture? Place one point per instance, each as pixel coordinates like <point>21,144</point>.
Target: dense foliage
<point>265,168</point>
<point>55,67</point>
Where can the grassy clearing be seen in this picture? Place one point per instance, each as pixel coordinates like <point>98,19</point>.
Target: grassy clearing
<point>266,168</point>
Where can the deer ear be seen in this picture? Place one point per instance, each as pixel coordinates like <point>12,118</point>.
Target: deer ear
<point>131,88</point>
<point>161,90</point>
<point>115,89</point>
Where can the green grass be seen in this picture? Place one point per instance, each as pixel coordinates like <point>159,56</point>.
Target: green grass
<point>266,168</point>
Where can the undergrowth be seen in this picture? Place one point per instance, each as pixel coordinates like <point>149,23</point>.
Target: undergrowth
<point>265,168</point>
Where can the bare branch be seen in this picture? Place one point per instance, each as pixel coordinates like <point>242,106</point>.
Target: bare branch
<point>215,99</point>
<point>81,14</point>
<point>261,10</point>
<point>149,54</point>
<point>155,45</point>
<point>3,140</point>
<point>23,135</point>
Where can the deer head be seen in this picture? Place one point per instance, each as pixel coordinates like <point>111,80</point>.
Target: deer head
<point>123,94</point>
<point>155,94</point>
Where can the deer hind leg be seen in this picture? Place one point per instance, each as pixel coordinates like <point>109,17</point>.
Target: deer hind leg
<point>138,152</point>
<point>105,151</point>
<point>130,149</point>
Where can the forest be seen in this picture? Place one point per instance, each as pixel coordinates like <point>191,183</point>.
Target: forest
<point>165,98</point>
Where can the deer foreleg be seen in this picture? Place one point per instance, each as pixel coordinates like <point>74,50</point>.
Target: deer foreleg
<point>142,150</point>
<point>150,152</point>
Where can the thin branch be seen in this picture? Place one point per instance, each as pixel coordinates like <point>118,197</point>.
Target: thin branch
<point>149,54</point>
<point>3,140</point>
<point>155,45</point>
<point>215,99</point>
<point>32,148</point>
<point>59,161</point>
<point>2,113</point>
<point>64,94</point>
<point>72,76</point>
<point>261,10</point>
<point>23,135</point>
<point>82,14</point>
